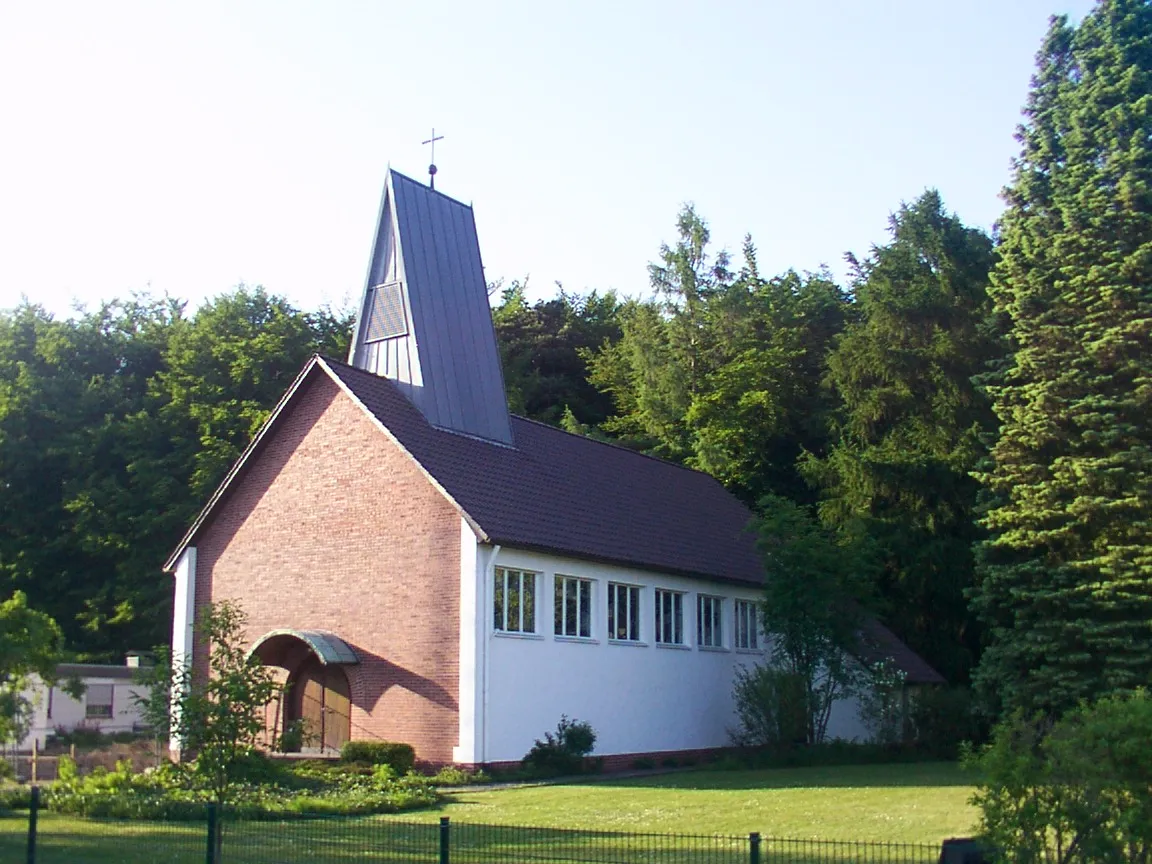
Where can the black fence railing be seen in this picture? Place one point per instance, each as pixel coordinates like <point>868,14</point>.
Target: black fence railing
<point>56,839</point>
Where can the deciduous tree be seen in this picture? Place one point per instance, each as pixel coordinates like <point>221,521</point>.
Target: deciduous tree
<point>30,645</point>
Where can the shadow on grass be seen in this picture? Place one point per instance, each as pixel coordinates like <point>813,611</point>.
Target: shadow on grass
<point>914,774</point>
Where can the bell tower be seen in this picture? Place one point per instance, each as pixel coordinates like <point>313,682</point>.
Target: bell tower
<point>424,319</point>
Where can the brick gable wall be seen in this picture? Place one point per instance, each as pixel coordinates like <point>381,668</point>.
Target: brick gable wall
<point>333,528</point>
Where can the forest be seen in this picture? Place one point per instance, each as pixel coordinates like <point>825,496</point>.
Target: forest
<point>970,413</point>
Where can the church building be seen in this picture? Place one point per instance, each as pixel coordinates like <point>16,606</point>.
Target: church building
<point>419,565</point>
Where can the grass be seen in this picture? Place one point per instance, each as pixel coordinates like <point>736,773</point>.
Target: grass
<point>909,803</point>
<point>913,803</point>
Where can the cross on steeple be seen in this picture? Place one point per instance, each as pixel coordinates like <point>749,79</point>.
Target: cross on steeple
<point>432,158</point>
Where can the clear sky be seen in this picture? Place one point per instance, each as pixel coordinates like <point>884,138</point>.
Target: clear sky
<point>192,146</point>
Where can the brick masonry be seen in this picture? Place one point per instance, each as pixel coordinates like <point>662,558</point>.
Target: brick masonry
<point>332,527</point>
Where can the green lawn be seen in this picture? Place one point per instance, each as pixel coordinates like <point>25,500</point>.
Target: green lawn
<point>918,803</point>
<point>912,803</point>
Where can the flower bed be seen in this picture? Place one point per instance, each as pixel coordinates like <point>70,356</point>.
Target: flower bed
<point>265,789</point>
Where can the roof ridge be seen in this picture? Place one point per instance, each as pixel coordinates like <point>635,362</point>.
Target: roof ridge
<point>552,428</point>
<point>416,182</point>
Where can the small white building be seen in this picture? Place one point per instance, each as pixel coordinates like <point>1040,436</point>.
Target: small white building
<point>108,703</point>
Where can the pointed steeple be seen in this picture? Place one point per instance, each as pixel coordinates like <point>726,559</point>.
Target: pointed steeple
<point>424,319</point>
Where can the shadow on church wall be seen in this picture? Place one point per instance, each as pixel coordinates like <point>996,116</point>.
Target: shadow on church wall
<point>375,676</point>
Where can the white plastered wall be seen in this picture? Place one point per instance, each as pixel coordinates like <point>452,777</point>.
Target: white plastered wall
<point>473,560</point>
<point>638,697</point>
<point>183,621</point>
<point>56,709</point>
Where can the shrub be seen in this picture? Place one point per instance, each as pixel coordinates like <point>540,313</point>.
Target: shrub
<point>728,762</point>
<point>293,738</point>
<point>644,763</point>
<point>450,775</point>
<point>82,737</point>
<point>1079,790</point>
<point>283,790</point>
<point>944,718</point>
<point>15,797</point>
<point>882,705</point>
<point>834,752</point>
<point>400,756</point>
<point>771,708</point>
<point>561,752</point>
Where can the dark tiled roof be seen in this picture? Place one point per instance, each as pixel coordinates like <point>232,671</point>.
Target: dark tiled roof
<point>95,670</point>
<point>564,493</point>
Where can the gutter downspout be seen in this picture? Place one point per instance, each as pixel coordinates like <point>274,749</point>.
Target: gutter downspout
<point>486,619</point>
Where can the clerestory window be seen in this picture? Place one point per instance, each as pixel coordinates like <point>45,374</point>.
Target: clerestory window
<point>514,601</point>
<point>669,617</point>
<point>573,613</point>
<point>623,612</point>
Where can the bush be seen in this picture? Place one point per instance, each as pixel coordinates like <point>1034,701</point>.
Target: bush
<point>835,752</point>
<point>450,775</point>
<point>283,790</point>
<point>15,797</point>
<point>293,738</point>
<point>561,752</point>
<point>882,705</point>
<point>83,737</point>
<point>1079,790</point>
<point>771,708</point>
<point>400,756</point>
<point>944,718</point>
<point>644,763</point>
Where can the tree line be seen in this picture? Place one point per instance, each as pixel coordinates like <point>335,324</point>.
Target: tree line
<point>969,415</point>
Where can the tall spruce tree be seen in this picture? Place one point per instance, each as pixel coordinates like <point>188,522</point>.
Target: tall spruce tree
<point>1066,573</point>
<point>908,433</point>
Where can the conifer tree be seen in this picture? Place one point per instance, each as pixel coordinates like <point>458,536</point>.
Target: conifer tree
<point>908,432</point>
<point>1066,572</point>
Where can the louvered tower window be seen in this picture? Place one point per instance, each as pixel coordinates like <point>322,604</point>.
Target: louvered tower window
<point>386,316</point>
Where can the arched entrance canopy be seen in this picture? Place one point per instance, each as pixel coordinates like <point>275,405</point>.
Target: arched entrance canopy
<point>328,648</point>
<point>315,706</point>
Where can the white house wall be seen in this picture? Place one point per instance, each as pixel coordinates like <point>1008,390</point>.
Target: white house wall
<point>638,697</point>
<point>55,709</point>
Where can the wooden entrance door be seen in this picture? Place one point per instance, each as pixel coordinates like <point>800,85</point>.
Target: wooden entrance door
<point>321,698</point>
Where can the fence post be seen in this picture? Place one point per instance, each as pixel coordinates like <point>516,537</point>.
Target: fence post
<point>213,827</point>
<point>754,848</point>
<point>445,830</point>
<point>33,813</point>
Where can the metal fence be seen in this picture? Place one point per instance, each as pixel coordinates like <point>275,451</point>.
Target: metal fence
<point>54,839</point>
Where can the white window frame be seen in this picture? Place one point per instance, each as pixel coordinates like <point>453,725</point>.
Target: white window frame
<point>584,606</point>
<point>747,625</point>
<point>631,612</point>
<point>505,578</point>
<point>675,607</point>
<point>709,621</point>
